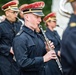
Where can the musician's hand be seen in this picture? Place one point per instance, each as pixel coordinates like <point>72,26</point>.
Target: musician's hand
<point>51,46</point>
<point>58,53</point>
<point>11,51</point>
<point>49,55</point>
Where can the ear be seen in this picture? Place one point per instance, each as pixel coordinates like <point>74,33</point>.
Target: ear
<point>6,12</point>
<point>48,23</point>
<point>26,16</point>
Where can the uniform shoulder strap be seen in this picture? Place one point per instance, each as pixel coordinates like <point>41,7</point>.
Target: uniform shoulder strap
<point>20,32</point>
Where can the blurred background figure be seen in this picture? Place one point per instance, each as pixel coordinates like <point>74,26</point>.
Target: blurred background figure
<point>21,12</point>
<point>2,18</point>
<point>68,44</point>
<point>62,21</point>
<point>50,22</point>
<point>21,15</point>
<point>53,36</point>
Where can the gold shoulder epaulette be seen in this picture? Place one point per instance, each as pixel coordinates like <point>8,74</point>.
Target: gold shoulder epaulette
<point>73,24</point>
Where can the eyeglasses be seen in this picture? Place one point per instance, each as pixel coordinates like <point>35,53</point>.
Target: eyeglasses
<point>14,12</point>
<point>52,21</point>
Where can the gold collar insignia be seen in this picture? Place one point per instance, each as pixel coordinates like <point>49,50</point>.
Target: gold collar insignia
<point>73,24</point>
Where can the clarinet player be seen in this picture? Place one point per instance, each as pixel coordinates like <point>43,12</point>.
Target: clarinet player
<point>53,36</point>
<point>29,46</point>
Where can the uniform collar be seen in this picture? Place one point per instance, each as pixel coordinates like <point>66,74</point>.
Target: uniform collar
<point>28,31</point>
<point>8,21</point>
<point>50,32</point>
<point>73,18</point>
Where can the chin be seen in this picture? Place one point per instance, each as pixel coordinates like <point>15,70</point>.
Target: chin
<point>13,20</point>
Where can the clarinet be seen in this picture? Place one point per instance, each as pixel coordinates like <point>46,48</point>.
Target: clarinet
<point>47,41</point>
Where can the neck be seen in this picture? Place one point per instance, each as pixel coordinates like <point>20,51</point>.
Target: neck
<point>75,12</point>
<point>27,24</point>
<point>10,20</point>
<point>51,28</point>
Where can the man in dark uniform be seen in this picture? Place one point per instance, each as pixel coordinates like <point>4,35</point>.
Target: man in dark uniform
<point>29,46</point>
<point>0,72</point>
<point>52,35</point>
<point>21,13</point>
<point>68,47</point>
<point>8,29</point>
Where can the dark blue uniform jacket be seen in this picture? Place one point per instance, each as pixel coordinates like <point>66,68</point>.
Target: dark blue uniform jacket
<point>54,37</point>
<point>68,49</point>
<point>29,49</point>
<point>7,33</point>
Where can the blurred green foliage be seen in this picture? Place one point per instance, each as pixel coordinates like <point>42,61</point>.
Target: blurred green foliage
<point>46,10</point>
